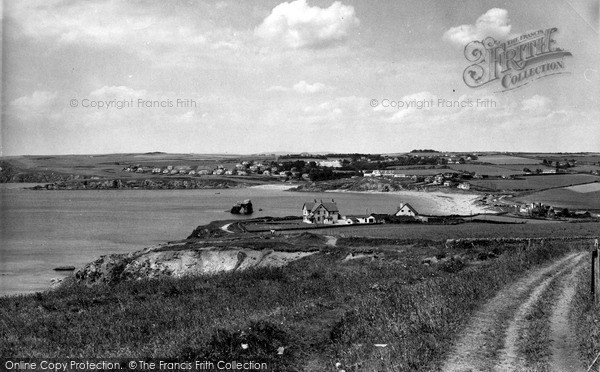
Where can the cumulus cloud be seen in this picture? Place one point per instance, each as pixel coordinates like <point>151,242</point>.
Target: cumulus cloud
<point>536,104</point>
<point>304,87</point>
<point>300,87</point>
<point>117,92</point>
<point>298,25</point>
<point>277,88</point>
<point>36,101</point>
<point>494,23</point>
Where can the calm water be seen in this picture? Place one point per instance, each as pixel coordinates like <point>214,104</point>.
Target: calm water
<point>40,230</point>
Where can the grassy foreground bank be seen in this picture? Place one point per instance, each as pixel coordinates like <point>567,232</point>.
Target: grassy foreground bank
<point>340,305</point>
<point>585,318</point>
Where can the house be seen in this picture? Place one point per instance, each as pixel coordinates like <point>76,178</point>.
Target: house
<point>406,209</point>
<point>330,163</point>
<point>192,172</point>
<point>369,219</point>
<point>448,183</point>
<point>166,171</point>
<point>266,173</point>
<point>464,186</point>
<point>320,212</point>
<point>379,217</point>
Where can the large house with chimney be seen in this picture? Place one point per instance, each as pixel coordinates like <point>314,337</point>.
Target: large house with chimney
<point>320,212</point>
<point>406,209</point>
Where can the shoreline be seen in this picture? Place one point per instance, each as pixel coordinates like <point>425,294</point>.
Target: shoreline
<point>450,203</point>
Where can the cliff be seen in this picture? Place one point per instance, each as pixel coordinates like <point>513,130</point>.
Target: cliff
<point>209,255</point>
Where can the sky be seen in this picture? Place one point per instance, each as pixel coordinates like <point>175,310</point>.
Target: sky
<point>243,77</point>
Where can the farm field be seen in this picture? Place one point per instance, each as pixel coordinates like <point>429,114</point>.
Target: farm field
<point>586,168</point>
<point>507,159</point>
<point>468,230</point>
<point>580,157</point>
<point>540,182</point>
<point>565,198</point>
<point>518,168</point>
<point>587,188</point>
<point>421,172</point>
<point>490,170</point>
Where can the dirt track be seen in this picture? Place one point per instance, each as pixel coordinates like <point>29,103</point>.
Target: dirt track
<point>489,342</point>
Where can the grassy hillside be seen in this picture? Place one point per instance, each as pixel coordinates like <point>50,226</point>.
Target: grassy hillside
<point>335,306</point>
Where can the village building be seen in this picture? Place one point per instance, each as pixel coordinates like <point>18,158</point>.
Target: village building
<point>368,219</point>
<point>406,209</point>
<point>464,186</point>
<point>320,212</point>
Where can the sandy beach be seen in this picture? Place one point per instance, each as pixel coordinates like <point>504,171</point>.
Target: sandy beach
<point>278,187</point>
<point>446,203</point>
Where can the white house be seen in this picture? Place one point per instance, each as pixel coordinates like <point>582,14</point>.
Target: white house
<point>320,212</point>
<point>406,209</point>
<point>464,186</point>
<point>330,163</point>
<point>368,219</point>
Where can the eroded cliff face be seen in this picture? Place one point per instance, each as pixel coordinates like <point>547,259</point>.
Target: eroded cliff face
<point>178,261</point>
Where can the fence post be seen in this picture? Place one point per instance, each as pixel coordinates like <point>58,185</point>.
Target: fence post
<point>596,272</point>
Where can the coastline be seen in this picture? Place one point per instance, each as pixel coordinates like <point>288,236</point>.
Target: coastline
<point>448,203</point>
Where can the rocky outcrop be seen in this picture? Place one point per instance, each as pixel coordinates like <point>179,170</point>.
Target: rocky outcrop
<point>79,183</point>
<point>176,261</point>
<point>244,207</point>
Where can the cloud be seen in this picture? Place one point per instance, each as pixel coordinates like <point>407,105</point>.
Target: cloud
<point>39,101</point>
<point>300,87</point>
<point>297,25</point>
<point>117,92</point>
<point>305,88</point>
<point>536,105</point>
<point>494,23</point>
<point>277,88</point>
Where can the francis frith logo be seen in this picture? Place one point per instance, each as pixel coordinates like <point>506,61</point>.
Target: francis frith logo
<point>515,62</point>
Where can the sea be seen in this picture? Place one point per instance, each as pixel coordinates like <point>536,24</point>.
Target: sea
<point>42,230</point>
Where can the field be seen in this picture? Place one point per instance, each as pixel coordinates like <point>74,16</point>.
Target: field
<point>585,168</point>
<point>587,188</point>
<point>508,159</point>
<point>468,230</point>
<point>489,170</point>
<point>565,198</point>
<point>537,182</point>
